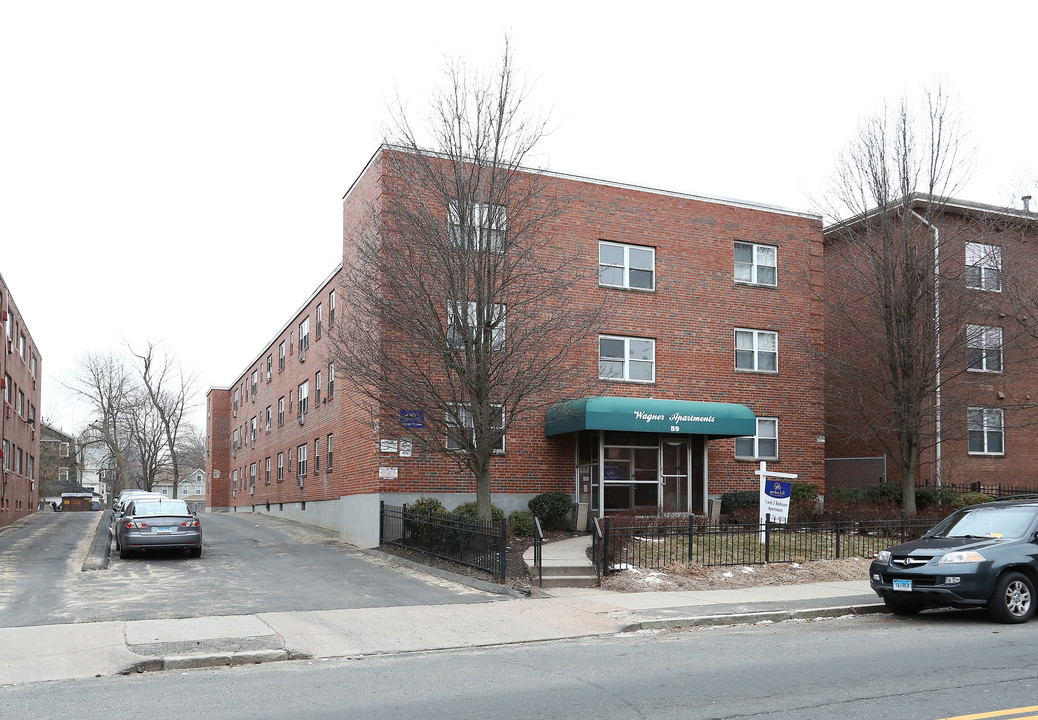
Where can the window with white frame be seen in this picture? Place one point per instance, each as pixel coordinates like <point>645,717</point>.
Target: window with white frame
<point>983,267</point>
<point>304,334</point>
<point>626,266</point>
<point>756,350</point>
<point>269,414</point>
<point>461,429</point>
<point>481,225</point>
<point>301,460</point>
<point>266,474</point>
<point>252,475</point>
<point>270,365</point>
<point>281,466</point>
<point>317,455</point>
<point>626,358</point>
<point>331,380</point>
<point>328,465</point>
<point>281,355</point>
<point>320,321</point>
<point>281,411</point>
<point>985,431</point>
<point>255,383</point>
<point>331,307</point>
<point>984,348</point>
<point>473,321</point>
<point>304,397</point>
<point>763,445</point>
<point>317,389</point>
<point>756,264</point>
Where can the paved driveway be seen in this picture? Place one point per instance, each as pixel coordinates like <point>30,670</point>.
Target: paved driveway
<point>250,563</point>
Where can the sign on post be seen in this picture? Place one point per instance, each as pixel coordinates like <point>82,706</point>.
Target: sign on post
<point>774,494</point>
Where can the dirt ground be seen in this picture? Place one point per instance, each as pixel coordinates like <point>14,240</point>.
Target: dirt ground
<point>676,577</point>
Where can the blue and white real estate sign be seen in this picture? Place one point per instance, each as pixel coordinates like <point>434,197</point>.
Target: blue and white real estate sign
<point>775,492</point>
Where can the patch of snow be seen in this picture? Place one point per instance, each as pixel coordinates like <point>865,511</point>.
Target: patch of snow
<point>746,570</point>
<point>726,574</point>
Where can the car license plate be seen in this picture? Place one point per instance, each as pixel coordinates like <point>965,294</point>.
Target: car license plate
<point>905,585</point>
<point>169,530</point>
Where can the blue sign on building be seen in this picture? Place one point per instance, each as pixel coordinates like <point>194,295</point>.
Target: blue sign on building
<point>414,419</point>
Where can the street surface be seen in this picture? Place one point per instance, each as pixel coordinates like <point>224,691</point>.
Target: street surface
<point>250,563</point>
<point>935,666</point>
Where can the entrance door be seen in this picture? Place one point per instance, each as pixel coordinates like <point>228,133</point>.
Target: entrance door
<point>674,474</point>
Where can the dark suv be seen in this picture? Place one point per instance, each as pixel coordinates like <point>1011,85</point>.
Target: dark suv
<point>982,555</point>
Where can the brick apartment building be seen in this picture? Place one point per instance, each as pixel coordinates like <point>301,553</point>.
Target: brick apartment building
<point>707,364</point>
<point>19,369</point>
<point>978,427</point>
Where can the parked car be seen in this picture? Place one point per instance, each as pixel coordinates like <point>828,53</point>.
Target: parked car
<point>153,523</point>
<point>981,556</point>
<point>127,495</point>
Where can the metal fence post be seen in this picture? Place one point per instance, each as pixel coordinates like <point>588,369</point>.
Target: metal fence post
<point>767,537</point>
<point>904,517</point>
<point>691,536</point>
<point>381,521</point>
<point>504,549</point>
<point>605,547</point>
<point>837,535</point>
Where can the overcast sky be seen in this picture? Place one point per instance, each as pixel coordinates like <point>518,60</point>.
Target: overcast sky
<point>174,171</point>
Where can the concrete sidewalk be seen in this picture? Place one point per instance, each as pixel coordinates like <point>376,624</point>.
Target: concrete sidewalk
<point>56,652</point>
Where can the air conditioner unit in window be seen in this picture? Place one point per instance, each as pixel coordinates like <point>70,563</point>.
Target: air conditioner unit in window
<point>302,356</point>
<point>252,491</point>
<point>302,417</point>
<point>268,375</point>
<point>300,482</point>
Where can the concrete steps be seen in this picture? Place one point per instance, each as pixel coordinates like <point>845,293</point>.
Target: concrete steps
<point>564,563</point>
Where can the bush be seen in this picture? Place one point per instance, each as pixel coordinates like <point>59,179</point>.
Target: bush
<point>551,508</point>
<point>739,499</point>
<point>471,513</point>
<point>934,497</point>
<point>844,495</point>
<point>427,506</point>
<point>974,498</point>
<point>883,493</point>
<point>417,526</point>
<point>520,522</point>
<point>804,491</point>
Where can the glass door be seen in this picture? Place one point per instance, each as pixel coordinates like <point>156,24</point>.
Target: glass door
<point>674,474</point>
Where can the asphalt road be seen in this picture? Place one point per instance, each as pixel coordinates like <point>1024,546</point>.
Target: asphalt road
<point>938,665</point>
<point>250,563</point>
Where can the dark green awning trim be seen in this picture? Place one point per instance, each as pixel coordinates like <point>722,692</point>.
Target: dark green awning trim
<point>680,417</point>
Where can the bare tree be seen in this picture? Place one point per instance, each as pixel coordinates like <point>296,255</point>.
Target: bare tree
<point>191,447</point>
<point>148,456</point>
<point>107,385</point>
<point>898,312</point>
<point>169,390</point>
<point>458,280</point>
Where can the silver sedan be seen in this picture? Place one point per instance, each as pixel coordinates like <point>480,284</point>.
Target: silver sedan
<point>157,523</point>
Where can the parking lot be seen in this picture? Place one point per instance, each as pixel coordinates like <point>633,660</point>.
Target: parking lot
<point>250,563</point>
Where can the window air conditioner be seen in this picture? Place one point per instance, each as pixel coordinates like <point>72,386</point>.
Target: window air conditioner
<point>301,418</point>
<point>302,356</point>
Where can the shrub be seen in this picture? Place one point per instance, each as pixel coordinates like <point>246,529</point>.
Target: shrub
<point>973,498</point>
<point>470,512</point>
<point>844,495</point>
<point>804,491</point>
<point>419,530</point>
<point>883,493</point>
<point>427,505</point>
<point>551,508</point>
<point>739,499</point>
<point>934,497</point>
<point>520,522</point>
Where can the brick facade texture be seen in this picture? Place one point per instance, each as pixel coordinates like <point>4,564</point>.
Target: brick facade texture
<point>692,315</point>
<point>20,368</point>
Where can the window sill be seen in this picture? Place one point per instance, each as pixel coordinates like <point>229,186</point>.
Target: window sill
<point>757,372</point>
<point>744,283</point>
<point>986,454</point>
<point>632,382</point>
<point>741,458</point>
<point>649,291</point>
<point>984,371</point>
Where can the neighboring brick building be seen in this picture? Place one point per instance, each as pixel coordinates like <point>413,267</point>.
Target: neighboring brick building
<point>19,372</point>
<point>978,429</point>
<point>714,333</point>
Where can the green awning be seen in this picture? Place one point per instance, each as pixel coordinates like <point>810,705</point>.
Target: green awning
<point>685,417</point>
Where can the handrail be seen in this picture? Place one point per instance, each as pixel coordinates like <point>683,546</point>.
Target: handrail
<point>596,545</point>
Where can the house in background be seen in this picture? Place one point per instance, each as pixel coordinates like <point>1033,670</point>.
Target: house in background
<point>96,472</point>
<point>707,365</point>
<point>191,486</point>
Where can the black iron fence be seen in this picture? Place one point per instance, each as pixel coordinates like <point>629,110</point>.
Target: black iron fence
<point>657,542</point>
<point>995,490</point>
<point>458,538</point>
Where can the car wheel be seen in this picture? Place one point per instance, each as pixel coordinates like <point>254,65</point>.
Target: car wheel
<point>124,554</point>
<point>899,606</point>
<point>195,552</point>
<point>1013,598</point>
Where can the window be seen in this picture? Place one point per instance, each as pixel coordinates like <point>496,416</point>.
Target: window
<point>626,266</point>
<point>255,384</point>
<point>482,226</point>
<point>756,350</point>
<point>331,380</point>
<point>269,415</point>
<point>304,397</point>
<point>281,355</point>
<point>20,406</point>
<point>461,427</point>
<point>281,411</point>
<point>624,358</point>
<point>7,388</point>
<point>755,264</point>
<point>984,348</point>
<point>317,455</point>
<point>304,334</point>
<point>236,400</point>
<point>266,474</point>
<point>234,479</point>
<point>270,365</point>
<point>984,431</point>
<point>317,389</point>
<point>234,439</point>
<point>252,475</point>
<point>63,474</point>
<point>320,320</point>
<point>21,346</point>
<point>491,318</point>
<point>301,461</point>
<point>281,466</point>
<point>983,267</point>
<point>252,436</point>
<point>328,465</point>
<point>763,445</point>
<point>331,307</point>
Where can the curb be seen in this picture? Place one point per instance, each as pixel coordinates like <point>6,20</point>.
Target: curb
<point>204,660</point>
<point>100,553</point>
<point>757,617</point>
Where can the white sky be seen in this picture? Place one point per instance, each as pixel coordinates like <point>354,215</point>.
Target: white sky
<point>174,171</point>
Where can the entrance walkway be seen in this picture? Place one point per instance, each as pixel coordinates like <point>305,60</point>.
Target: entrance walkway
<point>564,562</point>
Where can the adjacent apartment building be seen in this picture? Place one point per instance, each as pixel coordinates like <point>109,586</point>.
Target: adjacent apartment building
<point>707,362</point>
<point>970,272</point>
<point>19,374</point>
